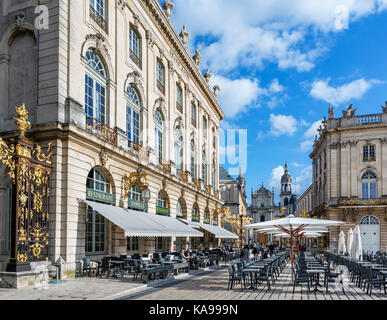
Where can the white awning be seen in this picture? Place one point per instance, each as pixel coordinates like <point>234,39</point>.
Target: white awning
<point>219,232</point>
<point>140,224</point>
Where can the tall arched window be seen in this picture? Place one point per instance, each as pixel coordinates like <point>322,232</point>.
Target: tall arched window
<point>96,223</point>
<point>195,215</point>
<point>179,209</point>
<point>161,201</point>
<point>178,149</point>
<point>160,76</point>
<point>369,180</point>
<point>95,88</point>
<point>159,124</point>
<point>135,46</point>
<point>213,174</point>
<point>98,13</point>
<point>204,168</point>
<point>132,115</point>
<point>193,160</point>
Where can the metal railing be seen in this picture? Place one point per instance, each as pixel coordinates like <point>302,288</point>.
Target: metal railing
<point>101,130</point>
<point>96,16</point>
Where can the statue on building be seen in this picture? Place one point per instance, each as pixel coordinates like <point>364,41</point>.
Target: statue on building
<point>331,112</point>
<point>184,35</point>
<point>168,7</point>
<point>349,113</point>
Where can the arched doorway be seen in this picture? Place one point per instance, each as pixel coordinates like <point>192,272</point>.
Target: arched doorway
<point>370,233</point>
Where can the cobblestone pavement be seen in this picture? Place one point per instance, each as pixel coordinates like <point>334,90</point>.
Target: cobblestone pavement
<point>76,289</point>
<point>212,285</point>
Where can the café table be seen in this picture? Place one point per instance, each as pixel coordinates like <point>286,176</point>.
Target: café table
<point>251,272</point>
<point>317,282</point>
<point>118,263</point>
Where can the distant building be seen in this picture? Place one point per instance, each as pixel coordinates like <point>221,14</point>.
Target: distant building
<point>350,176</point>
<point>288,198</point>
<point>262,208</point>
<point>304,202</point>
<point>233,194</point>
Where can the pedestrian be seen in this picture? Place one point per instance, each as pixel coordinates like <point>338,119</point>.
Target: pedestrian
<point>245,253</point>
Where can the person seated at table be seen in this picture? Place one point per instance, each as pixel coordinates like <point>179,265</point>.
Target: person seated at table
<point>265,254</point>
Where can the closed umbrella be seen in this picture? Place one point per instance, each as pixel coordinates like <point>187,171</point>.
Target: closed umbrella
<point>349,241</point>
<point>342,248</point>
<point>357,248</point>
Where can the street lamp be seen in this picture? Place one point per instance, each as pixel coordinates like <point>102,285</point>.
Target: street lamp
<point>145,195</point>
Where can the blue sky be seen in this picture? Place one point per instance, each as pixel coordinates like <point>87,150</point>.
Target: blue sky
<point>281,64</point>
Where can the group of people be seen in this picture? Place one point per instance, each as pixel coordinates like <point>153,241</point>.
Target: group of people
<point>258,250</point>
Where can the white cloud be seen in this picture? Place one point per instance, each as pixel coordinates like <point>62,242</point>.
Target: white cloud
<point>282,125</point>
<point>303,180</point>
<point>275,178</point>
<point>238,96</point>
<point>345,93</point>
<point>262,31</point>
<point>309,136</point>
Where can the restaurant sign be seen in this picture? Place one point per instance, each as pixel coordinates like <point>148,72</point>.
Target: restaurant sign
<point>100,196</point>
<point>138,205</point>
<point>196,218</point>
<point>163,211</point>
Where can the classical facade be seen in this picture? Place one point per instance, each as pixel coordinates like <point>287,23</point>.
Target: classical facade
<point>233,194</point>
<point>304,202</point>
<point>350,175</point>
<point>114,89</point>
<point>261,209</point>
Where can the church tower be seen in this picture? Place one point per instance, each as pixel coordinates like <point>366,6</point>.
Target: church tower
<point>286,188</point>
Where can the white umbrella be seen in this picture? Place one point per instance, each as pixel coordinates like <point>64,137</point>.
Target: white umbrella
<point>293,226</point>
<point>305,235</point>
<point>357,248</point>
<point>341,247</point>
<point>350,241</point>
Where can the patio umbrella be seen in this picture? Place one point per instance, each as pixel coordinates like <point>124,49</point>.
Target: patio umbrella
<point>293,226</point>
<point>349,241</point>
<point>357,249</point>
<point>342,248</point>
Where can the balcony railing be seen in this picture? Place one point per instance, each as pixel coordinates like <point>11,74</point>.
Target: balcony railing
<point>368,119</point>
<point>363,202</point>
<point>369,159</point>
<point>98,19</point>
<point>161,87</point>
<point>179,107</point>
<point>193,122</point>
<point>101,130</point>
<point>207,220</point>
<point>135,59</point>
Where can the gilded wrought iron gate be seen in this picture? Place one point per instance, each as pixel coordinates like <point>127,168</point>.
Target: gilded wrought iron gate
<point>29,171</point>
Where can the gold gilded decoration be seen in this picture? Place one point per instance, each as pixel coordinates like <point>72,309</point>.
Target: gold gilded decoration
<point>197,183</point>
<point>29,171</point>
<point>22,120</point>
<point>217,194</point>
<point>6,157</point>
<point>208,189</point>
<point>167,167</point>
<point>184,176</point>
<point>139,179</point>
<point>43,157</point>
<point>237,222</point>
<point>22,257</point>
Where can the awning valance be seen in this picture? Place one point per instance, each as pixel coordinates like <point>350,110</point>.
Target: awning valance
<point>140,224</point>
<point>219,232</point>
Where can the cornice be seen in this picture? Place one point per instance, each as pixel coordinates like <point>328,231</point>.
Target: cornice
<point>162,22</point>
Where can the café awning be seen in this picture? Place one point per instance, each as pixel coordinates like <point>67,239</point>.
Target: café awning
<point>217,231</point>
<point>141,224</point>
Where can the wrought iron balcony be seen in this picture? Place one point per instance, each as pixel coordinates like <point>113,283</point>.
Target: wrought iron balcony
<point>161,87</point>
<point>98,19</point>
<point>369,159</point>
<point>101,130</point>
<point>179,107</point>
<point>363,202</point>
<point>207,220</point>
<point>136,59</point>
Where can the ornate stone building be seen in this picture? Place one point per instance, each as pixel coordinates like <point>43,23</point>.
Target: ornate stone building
<point>115,90</point>
<point>350,175</point>
<point>304,202</point>
<point>262,208</point>
<point>233,194</point>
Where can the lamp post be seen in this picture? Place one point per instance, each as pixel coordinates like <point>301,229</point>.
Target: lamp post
<point>145,195</point>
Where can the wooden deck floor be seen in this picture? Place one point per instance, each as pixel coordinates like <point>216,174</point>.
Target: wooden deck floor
<point>212,285</point>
